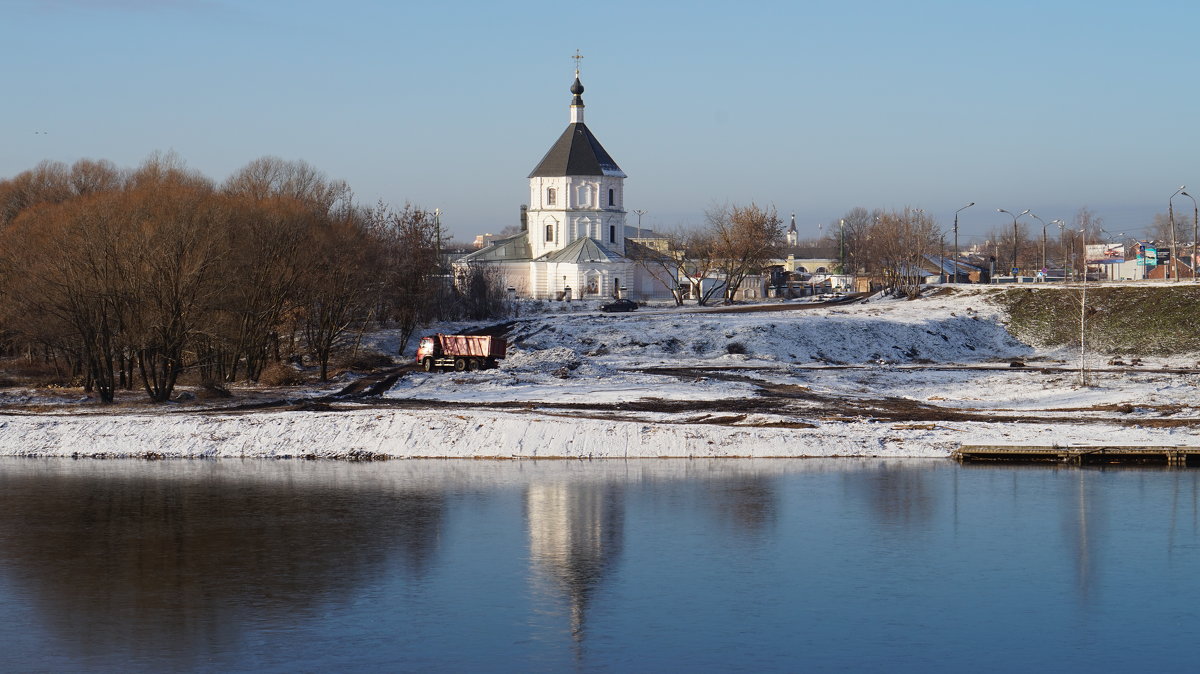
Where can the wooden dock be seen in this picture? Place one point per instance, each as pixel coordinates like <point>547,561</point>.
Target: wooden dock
<point>1081,454</point>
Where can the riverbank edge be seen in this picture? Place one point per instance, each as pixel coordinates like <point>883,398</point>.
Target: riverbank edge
<point>407,434</point>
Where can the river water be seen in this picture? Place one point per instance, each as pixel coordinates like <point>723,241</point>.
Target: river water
<point>672,565</point>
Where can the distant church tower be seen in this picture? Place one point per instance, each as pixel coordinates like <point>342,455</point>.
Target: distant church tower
<point>576,191</point>
<point>793,237</point>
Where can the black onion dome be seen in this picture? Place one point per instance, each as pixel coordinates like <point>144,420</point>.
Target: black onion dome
<point>577,89</point>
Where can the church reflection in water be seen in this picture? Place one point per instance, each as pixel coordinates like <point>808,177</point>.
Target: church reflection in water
<point>577,533</point>
<point>575,539</point>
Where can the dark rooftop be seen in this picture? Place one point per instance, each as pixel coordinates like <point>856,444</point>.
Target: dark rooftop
<point>577,153</point>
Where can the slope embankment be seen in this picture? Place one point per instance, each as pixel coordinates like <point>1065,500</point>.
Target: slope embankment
<point>1145,319</point>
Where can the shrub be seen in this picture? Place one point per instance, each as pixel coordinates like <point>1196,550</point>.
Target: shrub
<point>281,374</point>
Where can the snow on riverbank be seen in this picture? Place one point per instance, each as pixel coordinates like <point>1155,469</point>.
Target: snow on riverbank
<point>468,434</point>
<point>573,381</point>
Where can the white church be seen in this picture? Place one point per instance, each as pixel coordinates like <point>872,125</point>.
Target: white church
<point>573,239</point>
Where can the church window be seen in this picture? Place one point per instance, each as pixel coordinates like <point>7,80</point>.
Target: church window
<point>612,233</point>
<point>611,194</point>
<point>550,232</point>
<point>550,198</point>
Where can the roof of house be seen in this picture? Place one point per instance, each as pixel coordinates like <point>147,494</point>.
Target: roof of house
<point>809,252</point>
<point>577,153</point>
<point>946,264</point>
<point>511,248</point>
<point>582,250</point>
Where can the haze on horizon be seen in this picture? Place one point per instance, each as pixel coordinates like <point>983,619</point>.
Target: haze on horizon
<point>814,108</point>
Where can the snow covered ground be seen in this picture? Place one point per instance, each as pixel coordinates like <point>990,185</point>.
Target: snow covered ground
<point>885,378</point>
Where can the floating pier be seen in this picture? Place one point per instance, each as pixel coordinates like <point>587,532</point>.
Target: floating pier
<point>1081,454</point>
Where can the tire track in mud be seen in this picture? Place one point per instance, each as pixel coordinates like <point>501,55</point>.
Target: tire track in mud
<point>773,399</point>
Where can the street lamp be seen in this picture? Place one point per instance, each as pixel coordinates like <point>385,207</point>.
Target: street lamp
<point>842,245</point>
<point>1014,217</point>
<point>437,245</point>
<point>1171,219</point>
<point>1035,217</point>
<point>1062,261</point>
<point>1195,227</point>
<point>956,239</point>
<point>640,212</point>
<point>1060,224</point>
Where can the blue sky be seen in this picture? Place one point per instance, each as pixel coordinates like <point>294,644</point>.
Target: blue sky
<point>813,107</point>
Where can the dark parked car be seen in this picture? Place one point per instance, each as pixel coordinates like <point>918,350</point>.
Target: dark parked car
<point>619,305</point>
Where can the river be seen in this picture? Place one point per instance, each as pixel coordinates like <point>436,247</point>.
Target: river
<point>648,565</point>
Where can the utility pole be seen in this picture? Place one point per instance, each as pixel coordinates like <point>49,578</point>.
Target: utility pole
<point>1171,219</point>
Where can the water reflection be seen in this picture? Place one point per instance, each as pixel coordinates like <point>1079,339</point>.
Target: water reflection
<point>640,565</point>
<point>185,560</point>
<point>575,538</point>
<point>898,492</point>
<point>746,505</point>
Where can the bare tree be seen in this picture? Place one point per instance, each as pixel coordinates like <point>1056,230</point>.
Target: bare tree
<point>335,295</point>
<point>850,235</point>
<point>481,291</point>
<point>664,260</point>
<point>745,238</point>
<point>274,177</point>
<point>408,272</point>
<point>898,245</point>
<point>701,264</point>
<point>171,242</point>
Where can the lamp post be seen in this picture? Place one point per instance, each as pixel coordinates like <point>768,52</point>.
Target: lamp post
<point>842,245</point>
<point>1083,380</point>
<point>956,239</point>
<point>1014,217</point>
<point>1035,217</point>
<point>640,212</point>
<point>1060,224</point>
<point>1195,226</point>
<point>1171,219</point>
<point>942,259</point>
<point>437,245</point>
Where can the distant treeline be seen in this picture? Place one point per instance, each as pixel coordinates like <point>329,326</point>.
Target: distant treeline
<point>120,278</point>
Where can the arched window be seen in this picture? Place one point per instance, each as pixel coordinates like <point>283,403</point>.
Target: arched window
<point>584,196</point>
<point>550,232</point>
<point>612,233</point>
<point>611,196</point>
<point>550,198</point>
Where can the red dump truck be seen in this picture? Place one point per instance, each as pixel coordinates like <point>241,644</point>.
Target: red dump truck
<point>460,352</point>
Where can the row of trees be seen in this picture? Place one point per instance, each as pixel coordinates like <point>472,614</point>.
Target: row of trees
<point>123,276</point>
<point>735,242</point>
<point>897,245</point>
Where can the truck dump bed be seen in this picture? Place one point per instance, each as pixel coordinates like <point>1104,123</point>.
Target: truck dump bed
<point>480,346</point>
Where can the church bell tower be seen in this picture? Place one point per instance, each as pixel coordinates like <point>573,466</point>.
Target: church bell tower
<point>577,190</point>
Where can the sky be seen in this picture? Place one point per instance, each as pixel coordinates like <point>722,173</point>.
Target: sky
<point>810,107</point>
